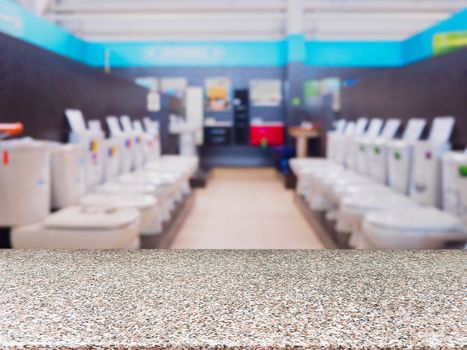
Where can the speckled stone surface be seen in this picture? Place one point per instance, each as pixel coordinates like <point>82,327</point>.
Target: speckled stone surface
<point>233,299</point>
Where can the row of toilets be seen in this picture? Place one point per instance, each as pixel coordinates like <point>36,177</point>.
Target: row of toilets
<point>94,192</point>
<point>388,193</point>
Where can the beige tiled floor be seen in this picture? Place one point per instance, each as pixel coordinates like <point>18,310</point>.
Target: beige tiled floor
<point>245,209</point>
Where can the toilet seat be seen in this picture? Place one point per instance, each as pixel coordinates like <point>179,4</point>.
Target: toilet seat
<point>99,218</point>
<point>354,207</point>
<point>339,193</point>
<point>166,184</point>
<point>81,228</point>
<point>132,188</point>
<point>417,228</point>
<point>373,201</point>
<point>150,222</point>
<point>189,163</point>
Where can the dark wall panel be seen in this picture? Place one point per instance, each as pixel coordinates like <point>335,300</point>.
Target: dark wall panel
<point>434,87</point>
<point>36,86</point>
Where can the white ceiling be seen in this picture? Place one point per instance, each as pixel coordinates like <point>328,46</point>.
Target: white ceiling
<point>144,20</point>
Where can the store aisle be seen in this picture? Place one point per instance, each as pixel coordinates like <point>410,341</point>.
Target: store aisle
<point>245,209</point>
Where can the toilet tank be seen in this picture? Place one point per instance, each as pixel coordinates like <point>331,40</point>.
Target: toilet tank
<point>455,184</point>
<point>93,156</point>
<point>378,161</point>
<point>400,160</point>
<point>112,158</point>
<point>138,155</point>
<point>125,154</point>
<point>24,182</point>
<point>425,186</point>
<point>67,174</point>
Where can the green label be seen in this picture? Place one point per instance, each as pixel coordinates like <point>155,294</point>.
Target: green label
<point>397,155</point>
<point>377,150</point>
<point>444,43</point>
<point>296,101</point>
<point>463,170</point>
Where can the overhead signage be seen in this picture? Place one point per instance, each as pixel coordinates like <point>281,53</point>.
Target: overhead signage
<point>183,53</point>
<point>444,43</point>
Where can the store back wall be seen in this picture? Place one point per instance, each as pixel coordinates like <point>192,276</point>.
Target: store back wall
<point>196,76</point>
<point>36,86</point>
<point>430,88</point>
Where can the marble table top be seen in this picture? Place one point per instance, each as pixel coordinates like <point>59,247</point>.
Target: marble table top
<point>217,299</point>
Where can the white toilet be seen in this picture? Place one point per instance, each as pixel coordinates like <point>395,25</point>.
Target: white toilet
<point>151,129</point>
<point>362,127</point>
<point>74,227</point>
<point>116,155</point>
<point>425,191</point>
<point>297,165</point>
<point>137,142</point>
<point>125,144</point>
<point>362,144</point>
<point>377,158</point>
<point>420,228</point>
<point>400,155</point>
<point>335,186</point>
<point>150,139</point>
<point>170,181</point>
<point>332,149</point>
<point>354,203</point>
<point>322,182</point>
<point>114,184</point>
<point>309,175</point>
<point>81,228</point>
<point>112,153</point>
<point>425,228</point>
<point>90,140</point>
<point>147,203</point>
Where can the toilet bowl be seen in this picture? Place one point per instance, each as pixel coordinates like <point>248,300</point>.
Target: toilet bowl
<point>354,208</point>
<point>143,188</point>
<point>338,194</point>
<point>309,184</point>
<point>81,228</point>
<point>179,183</point>
<point>150,212</point>
<point>420,228</point>
<point>169,189</point>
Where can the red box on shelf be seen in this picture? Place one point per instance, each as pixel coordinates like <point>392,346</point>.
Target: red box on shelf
<point>267,134</point>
